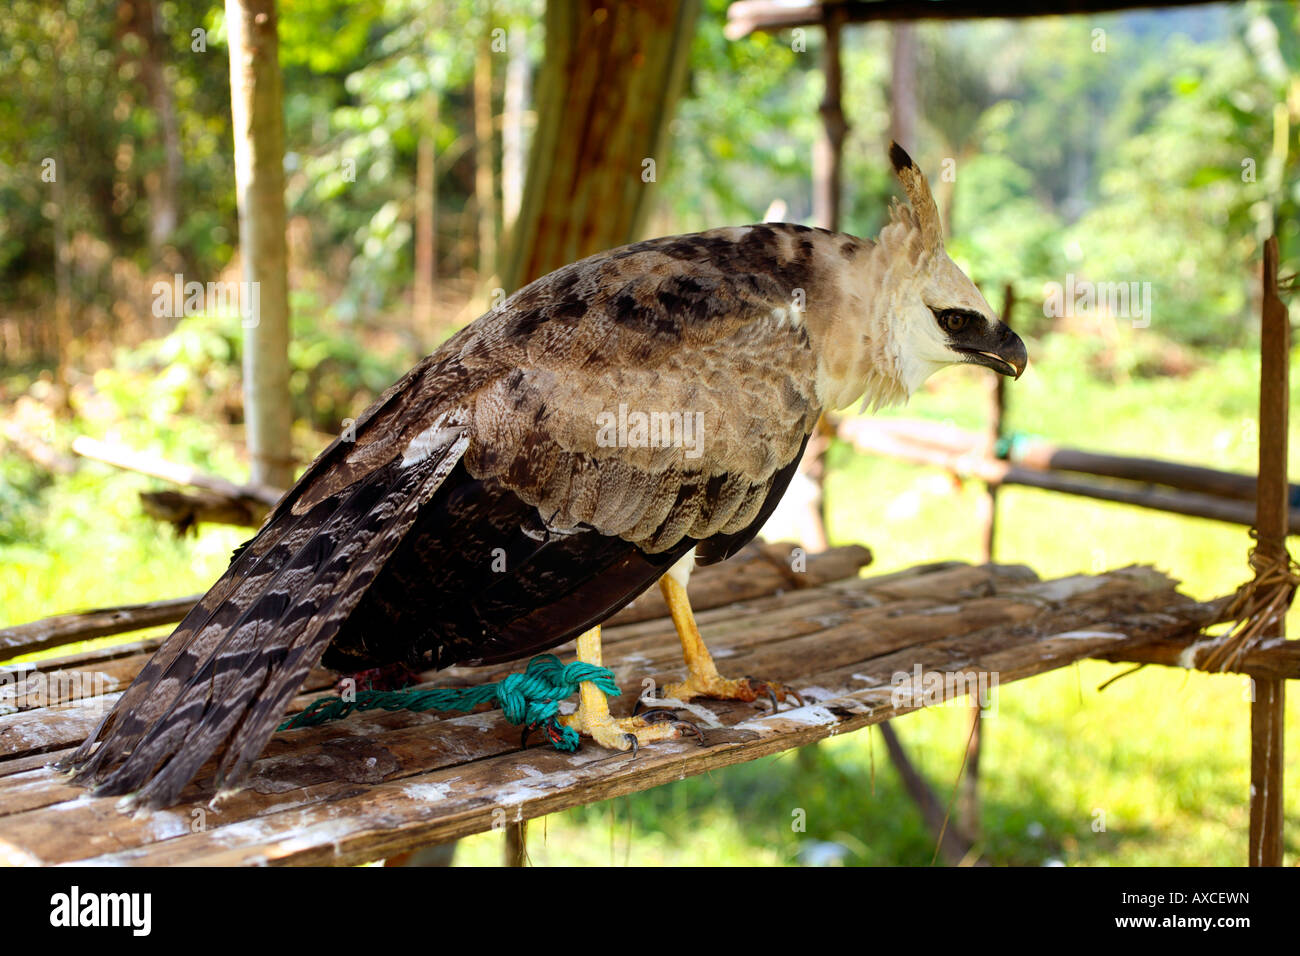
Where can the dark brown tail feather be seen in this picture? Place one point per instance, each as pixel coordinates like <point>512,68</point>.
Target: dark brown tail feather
<point>227,673</point>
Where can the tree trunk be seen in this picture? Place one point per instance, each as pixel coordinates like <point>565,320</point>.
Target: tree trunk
<point>512,130</point>
<point>426,236</point>
<point>828,151</point>
<point>258,122</point>
<point>484,156</point>
<point>605,93</point>
<point>162,185</point>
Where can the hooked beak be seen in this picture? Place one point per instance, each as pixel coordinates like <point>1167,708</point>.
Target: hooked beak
<point>998,348</point>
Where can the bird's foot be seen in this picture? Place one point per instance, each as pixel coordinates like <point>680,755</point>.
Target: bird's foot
<point>397,676</point>
<point>629,733</point>
<point>746,689</point>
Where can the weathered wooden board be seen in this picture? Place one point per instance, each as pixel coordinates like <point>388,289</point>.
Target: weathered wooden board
<point>378,783</point>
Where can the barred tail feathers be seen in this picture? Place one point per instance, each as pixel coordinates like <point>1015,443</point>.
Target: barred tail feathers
<point>226,674</point>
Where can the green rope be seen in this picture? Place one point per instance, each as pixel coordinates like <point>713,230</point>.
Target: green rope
<point>531,698</point>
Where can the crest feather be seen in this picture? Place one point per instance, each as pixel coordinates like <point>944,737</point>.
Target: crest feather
<point>918,194</point>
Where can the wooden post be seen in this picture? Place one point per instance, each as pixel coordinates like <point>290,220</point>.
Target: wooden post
<point>516,844</point>
<point>828,153</point>
<point>1268,707</point>
<point>828,162</point>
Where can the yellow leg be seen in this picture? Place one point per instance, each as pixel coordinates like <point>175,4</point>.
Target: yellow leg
<point>703,679</point>
<point>593,717</point>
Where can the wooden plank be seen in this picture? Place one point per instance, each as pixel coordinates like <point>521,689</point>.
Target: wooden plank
<point>379,783</point>
<point>53,729</point>
<point>447,804</point>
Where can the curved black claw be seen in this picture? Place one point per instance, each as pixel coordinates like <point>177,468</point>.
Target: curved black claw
<point>775,692</point>
<point>659,714</point>
<point>635,743</point>
<point>689,727</point>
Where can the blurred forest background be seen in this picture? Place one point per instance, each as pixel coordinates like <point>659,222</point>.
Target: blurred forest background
<point>1166,156</point>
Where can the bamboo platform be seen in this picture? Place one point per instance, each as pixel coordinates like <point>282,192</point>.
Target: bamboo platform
<point>377,784</point>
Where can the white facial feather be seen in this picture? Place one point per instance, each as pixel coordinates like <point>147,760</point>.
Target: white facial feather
<point>904,279</point>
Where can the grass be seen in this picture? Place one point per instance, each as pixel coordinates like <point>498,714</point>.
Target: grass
<point>1154,770</point>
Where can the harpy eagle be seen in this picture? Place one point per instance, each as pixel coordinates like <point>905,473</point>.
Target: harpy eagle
<point>487,510</point>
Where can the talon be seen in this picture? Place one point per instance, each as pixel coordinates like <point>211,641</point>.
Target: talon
<point>692,728</point>
<point>659,714</point>
<point>632,739</point>
<point>523,737</point>
<point>775,692</point>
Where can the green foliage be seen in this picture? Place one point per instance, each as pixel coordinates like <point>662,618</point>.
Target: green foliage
<point>1107,147</point>
<point>196,371</point>
<point>740,139</point>
<point>73,94</point>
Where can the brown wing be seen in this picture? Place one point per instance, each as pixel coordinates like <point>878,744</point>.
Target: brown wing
<point>644,333</point>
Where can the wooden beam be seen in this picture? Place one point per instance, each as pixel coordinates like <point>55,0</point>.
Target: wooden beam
<point>1225,484</point>
<point>516,843</point>
<point>128,459</point>
<point>1190,503</point>
<point>187,510</point>
<point>84,625</point>
<point>748,16</point>
<point>1274,661</point>
<point>964,457</point>
<point>1268,706</point>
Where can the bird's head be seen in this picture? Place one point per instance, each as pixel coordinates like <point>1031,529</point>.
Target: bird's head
<point>936,315</point>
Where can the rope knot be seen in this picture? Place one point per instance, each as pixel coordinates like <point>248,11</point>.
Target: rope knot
<point>1258,604</point>
<point>532,698</point>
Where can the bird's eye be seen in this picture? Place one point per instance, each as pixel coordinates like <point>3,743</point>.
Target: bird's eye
<point>952,320</point>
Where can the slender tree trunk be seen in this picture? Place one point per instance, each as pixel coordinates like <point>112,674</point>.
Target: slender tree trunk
<point>828,151</point>
<point>259,179</point>
<point>605,93</point>
<point>162,185</point>
<point>64,330</point>
<point>484,156</point>
<point>512,130</point>
<point>426,236</point>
